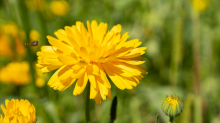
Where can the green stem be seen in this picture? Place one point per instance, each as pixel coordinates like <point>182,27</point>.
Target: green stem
<point>25,23</point>
<point>171,120</point>
<point>87,104</point>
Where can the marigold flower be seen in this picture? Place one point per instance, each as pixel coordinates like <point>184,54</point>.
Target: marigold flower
<point>15,72</point>
<point>172,106</point>
<point>10,34</point>
<point>5,48</point>
<point>200,5</point>
<point>16,111</point>
<point>59,7</point>
<point>89,55</point>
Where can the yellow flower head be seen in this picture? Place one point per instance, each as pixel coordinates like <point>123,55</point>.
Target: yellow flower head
<point>10,28</point>
<point>83,55</point>
<point>200,5</point>
<point>59,7</point>
<point>172,106</point>
<point>34,35</point>
<point>15,72</point>
<point>40,81</point>
<point>16,111</point>
<point>10,34</point>
<point>5,47</point>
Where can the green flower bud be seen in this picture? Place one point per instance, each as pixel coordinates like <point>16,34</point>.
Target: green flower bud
<point>172,106</point>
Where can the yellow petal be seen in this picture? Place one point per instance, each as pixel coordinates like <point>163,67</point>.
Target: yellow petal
<point>65,73</point>
<point>50,61</point>
<point>122,69</point>
<point>49,68</point>
<point>60,45</point>
<point>114,77</point>
<point>89,29</point>
<point>132,62</point>
<point>3,109</point>
<point>91,77</point>
<point>102,88</point>
<point>61,35</point>
<point>94,27</point>
<point>55,75</point>
<point>103,77</point>
<point>98,99</point>
<point>78,73</point>
<point>116,29</point>
<point>68,60</point>
<point>80,85</point>
<point>101,31</point>
<point>83,52</point>
<point>66,83</point>
<point>93,92</point>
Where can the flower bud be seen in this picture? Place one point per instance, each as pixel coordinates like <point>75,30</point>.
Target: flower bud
<point>172,106</point>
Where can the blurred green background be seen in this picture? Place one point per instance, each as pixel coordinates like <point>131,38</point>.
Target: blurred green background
<point>183,51</point>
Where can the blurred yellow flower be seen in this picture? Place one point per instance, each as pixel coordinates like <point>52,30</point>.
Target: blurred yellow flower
<point>16,111</point>
<point>200,5</point>
<point>40,81</point>
<point>15,72</point>
<point>84,56</point>
<point>59,7</point>
<point>5,47</point>
<point>35,5</point>
<point>10,28</point>
<point>34,35</point>
<point>10,36</point>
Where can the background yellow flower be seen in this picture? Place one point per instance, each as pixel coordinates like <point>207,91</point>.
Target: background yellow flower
<point>15,72</point>
<point>59,7</point>
<point>200,5</point>
<point>16,111</point>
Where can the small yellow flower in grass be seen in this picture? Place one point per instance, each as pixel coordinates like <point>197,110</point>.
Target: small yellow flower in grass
<point>172,106</point>
<point>16,111</point>
<point>5,47</point>
<point>200,5</point>
<point>34,35</point>
<point>15,72</point>
<point>59,7</point>
<point>88,55</point>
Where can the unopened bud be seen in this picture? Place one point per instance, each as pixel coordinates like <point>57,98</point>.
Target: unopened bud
<point>172,106</point>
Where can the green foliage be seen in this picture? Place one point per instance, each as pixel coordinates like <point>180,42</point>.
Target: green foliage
<point>168,28</point>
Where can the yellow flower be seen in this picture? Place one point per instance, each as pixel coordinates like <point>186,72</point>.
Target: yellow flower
<point>40,81</point>
<point>34,35</point>
<point>16,111</point>
<point>9,36</point>
<point>172,106</point>
<point>5,48</point>
<point>59,7</point>
<point>10,28</point>
<point>15,72</point>
<point>200,5</point>
<point>89,55</point>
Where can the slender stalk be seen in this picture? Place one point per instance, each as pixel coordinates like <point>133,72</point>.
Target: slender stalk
<point>25,23</point>
<point>171,120</point>
<point>196,51</point>
<point>176,44</point>
<point>196,64</point>
<point>87,103</point>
